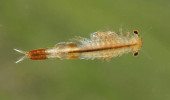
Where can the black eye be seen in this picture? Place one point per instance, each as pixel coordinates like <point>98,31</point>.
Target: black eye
<point>135,31</point>
<point>135,54</point>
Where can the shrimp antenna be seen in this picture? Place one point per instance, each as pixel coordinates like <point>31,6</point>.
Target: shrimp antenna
<point>22,52</point>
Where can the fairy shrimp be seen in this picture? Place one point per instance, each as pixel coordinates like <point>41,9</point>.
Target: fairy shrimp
<point>100,45</point>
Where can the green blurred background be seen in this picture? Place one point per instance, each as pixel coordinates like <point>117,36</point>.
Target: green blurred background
<point>33,24</point>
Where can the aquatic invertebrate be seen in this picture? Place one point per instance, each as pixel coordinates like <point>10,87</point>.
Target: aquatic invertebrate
<point>101,45</point>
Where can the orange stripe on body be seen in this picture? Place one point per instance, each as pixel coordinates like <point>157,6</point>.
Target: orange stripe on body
<point>103,48</point>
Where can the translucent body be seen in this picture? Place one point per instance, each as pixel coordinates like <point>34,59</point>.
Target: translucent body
<point>101,45</point>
